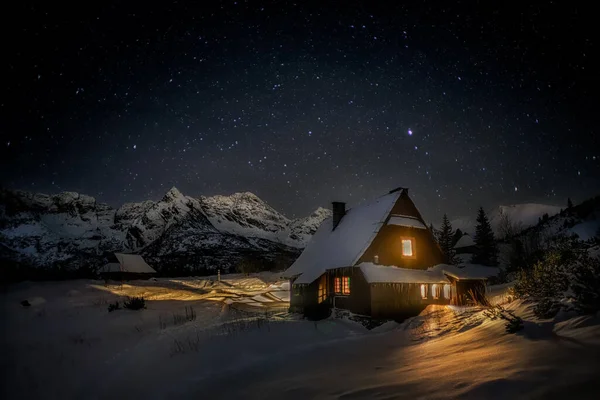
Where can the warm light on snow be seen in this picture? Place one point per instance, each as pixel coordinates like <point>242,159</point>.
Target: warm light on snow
<point>454,352</point>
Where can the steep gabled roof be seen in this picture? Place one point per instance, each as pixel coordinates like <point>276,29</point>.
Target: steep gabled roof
<point>128,263</point>
<point>343,246</point>
<point>465,241</point>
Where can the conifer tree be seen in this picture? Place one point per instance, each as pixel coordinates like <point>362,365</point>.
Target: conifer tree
<point>457,235</point>
<point>485,243</point>
<point>569,203</point>
<point>445,239</point>
<point>434,232</point>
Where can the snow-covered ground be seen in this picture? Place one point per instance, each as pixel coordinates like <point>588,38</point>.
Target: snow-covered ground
<point>243,344</point>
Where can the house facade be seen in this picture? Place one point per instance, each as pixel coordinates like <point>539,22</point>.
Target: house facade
<point>377,259</point>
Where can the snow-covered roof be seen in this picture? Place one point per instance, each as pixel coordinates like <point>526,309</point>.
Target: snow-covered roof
<point>128,263</point>
<point>466,271</point>
<point>390,274</point>
<point>111,267</point>
<point>465,241</point>
<point>343,246</point>
<point>403,220</point>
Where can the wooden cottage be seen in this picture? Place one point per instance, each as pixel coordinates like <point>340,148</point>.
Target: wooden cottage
<point>377,259</point>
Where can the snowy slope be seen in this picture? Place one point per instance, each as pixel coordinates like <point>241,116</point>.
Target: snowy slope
<point>67,346</point>
<point>73,230</point>
<point>582,221</point>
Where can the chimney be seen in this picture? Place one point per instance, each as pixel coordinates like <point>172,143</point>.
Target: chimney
<point>339,210</point>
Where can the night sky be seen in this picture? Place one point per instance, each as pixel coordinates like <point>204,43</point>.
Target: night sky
<point>303,104</point>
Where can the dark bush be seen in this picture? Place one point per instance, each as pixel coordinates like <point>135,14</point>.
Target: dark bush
<point>547,281</point>
<point>585,285</point>
<point>134,303</point>
<point>113,306</point>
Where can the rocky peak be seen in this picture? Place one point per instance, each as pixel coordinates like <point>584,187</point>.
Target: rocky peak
<point>172,195</point>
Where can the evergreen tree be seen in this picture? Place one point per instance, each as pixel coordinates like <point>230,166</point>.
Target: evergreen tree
<point>445,239</point>
<point>434,232</point>
<point>569,203</point>
<point>457,235</point>
<point>485,242</point>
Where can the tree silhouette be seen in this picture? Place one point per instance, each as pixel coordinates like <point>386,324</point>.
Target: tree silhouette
<point>485,243</point>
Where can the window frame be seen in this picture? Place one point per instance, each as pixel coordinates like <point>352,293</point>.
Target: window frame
<point>412,246</point>
<point>342,286</point>
<point>436,291</point>
<point>426,286</point>
<point>322,289</point>
<point>447,285</point>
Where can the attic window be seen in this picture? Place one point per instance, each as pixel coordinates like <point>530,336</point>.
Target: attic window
<point>423,290</point>
<point>408,247</point>
<point>342,285</point>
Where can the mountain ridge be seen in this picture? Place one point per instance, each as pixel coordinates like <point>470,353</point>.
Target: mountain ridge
<point>72,230</point>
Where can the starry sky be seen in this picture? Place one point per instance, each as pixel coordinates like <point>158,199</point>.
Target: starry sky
<point>303,103</point>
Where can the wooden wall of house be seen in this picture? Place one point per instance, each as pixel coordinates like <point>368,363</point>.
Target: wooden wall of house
<point>388,246</point>
<point>359,300</point>
<point>466,250</point>
<point>395,300</point>
<point>400,300</point>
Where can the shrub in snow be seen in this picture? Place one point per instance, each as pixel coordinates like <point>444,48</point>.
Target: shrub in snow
<point>134,303</point>
<point>545,283</point>
<point>548,280</point>
<point>585,285</point>
<point>513,323</point>
<point>112,307</point>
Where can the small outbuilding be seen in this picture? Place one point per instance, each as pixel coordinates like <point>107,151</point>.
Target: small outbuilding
<point>126,266</point>
<point>378,259</point>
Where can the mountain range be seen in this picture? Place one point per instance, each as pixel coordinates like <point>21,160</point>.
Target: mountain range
<point>71,231</point>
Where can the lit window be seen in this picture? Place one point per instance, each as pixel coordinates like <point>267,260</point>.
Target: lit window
<point>346,285</point>
<point>436,290</point>
<point>322,294</point>
<point>342,285</point>
<point>423,291</point>
<point>407,248</point>
<point>446,291</point>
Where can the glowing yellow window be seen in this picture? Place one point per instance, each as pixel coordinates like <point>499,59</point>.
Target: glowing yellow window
<point>423,291</point>
<point>447,291</point>
<point>408,247</point>
<point>342,285</point>
<point>436,291</point>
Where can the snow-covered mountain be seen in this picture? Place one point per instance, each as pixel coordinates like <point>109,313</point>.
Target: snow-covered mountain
<point>71,230</point>
<point>526,214</point>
